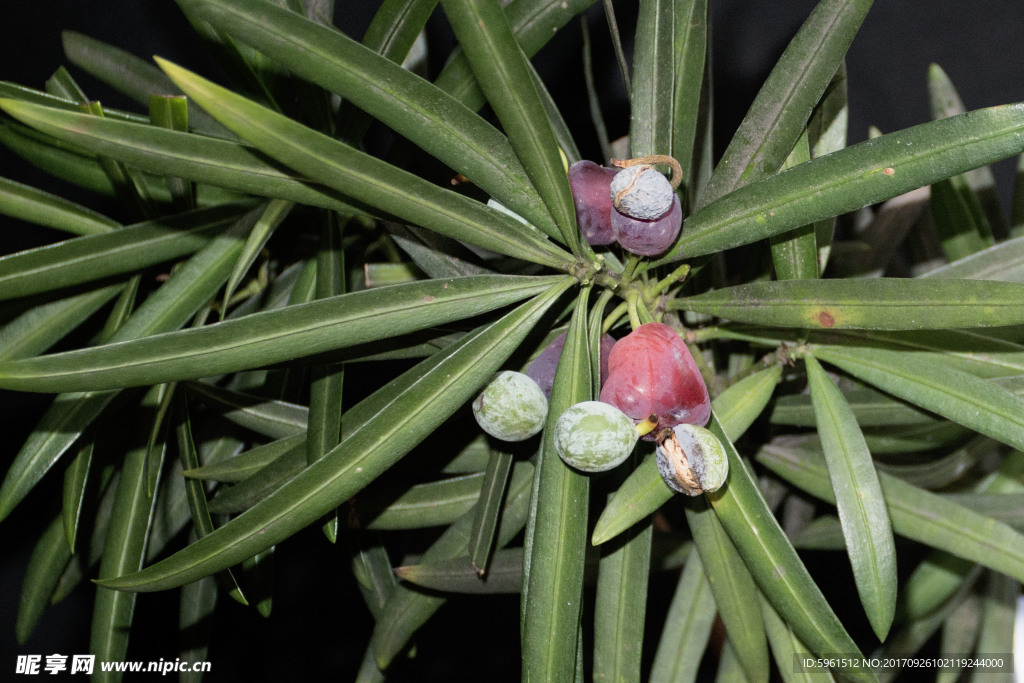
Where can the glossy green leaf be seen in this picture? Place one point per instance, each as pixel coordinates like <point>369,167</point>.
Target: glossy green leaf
<point>915,513</point>
<point>732,587</point>
<point>1003,261</point>
<point>773,562</point>
<point>276,419</point>
<point>943,471</point>
<point>556,533</point>
<point>159,150</point>
<point>414,108</point>
<point>1000,607</point>
<point>260,484</point>
<point>171,112</point>
<point>687,630</point>
<point>533,22</point>
<point>368,179</point>
<point>865,173</point>
<point>488,511</point>
<point>195,626</point>
<point>246,464</point>
<point>644,491</point>
<point>654,58</point>
<point>436,503</point>
<point>123,553</point>
<point>42,208</point>
<point>975,403</point>
<point>620,604</point>
<point>274,212</point>
<point>862,509</point>
<point>691,45</point>
<point>272,336</point>
<point>93,257</point>
<point>915,439</point>
<point>779,113</point>
<point>495,56</point>
<point>958,218</point>
<point>406,610</point>
<point>401,419</point>
<point>874,303</point>
<point>76,476</point>
<point>41,326</point>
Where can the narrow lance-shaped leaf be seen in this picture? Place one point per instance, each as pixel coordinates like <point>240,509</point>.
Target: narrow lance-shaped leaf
<point>773,562</point>
<point>859,499</point>
<point>370,180</point>
<point>733,588</point>
<point>272,336</point>
<point>874,303</point>
<point>690,41</point>
<point>865,173</point>
<point>795,253</point>
<point>501,71</point>
<point>42,208</point>
<point>556,551</point>
<point>691,615</point>
<point>430,393</point>
<point>654,57</point>
<point>231,165</point>
<point>43,325</point>
<point>488,510</point>
<point>981,405</point>
<point>915,513</point>
<point>782,107</point>
<point>404,102</point>
<point>93,257</point>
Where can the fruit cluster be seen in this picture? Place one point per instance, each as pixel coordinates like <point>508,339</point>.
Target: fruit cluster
<point>649,379</point>
<point>635,206</point>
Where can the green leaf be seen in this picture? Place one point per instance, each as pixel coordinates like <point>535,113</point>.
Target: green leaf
<point>848,179</point>
<point>689,106</point>
<point>871,408</point>
<point>76,476</point>
<point>958,218</point>
<point>42,208</point>
<point>130,75</point>
<point>45,566</point>
<point>403,413</point>
<point>786,647</point>
<point>488,511</point>
<point>795,253</point>
<point>779,113</point>
<point>915,513</point>
<point>244,465</point>
<point>556,534</point>
<point>404,102</point>
<point>774,563</point>
<point>654,57</point>
<point>687,630</point>
<point>874,303</point>
<point>195,627</point>
<point>123,553</point>
<point>732,587</point>
<point>975,403</point>
<point>1003,261</point>
<point>369,180</point>
<point>533,22</point>
<point>276,419</point>
<point>272,336</point>
<point>435,503</point>
<point>644,491</point>
<point>93,257</point>
<point>620,604</point>
<point>159,150</point>
<point>458,575</point>
<point>490,45</point>
<point>859,500</point>
<point>273,213</point>
<point>43,325</point>
<point>265,481</point>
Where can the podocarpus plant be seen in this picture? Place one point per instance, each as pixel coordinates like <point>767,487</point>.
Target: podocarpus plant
<point>290,332</point>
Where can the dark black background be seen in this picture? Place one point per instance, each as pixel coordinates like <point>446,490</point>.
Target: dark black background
<point>320,626</point>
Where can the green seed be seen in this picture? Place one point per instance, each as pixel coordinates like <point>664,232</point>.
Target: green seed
<point>511,408</point>
<point>594,436</point>
<point>692,460</point>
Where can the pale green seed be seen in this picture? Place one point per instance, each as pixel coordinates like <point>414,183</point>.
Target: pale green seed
<point>512,407</point>
<point>594,436</point>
